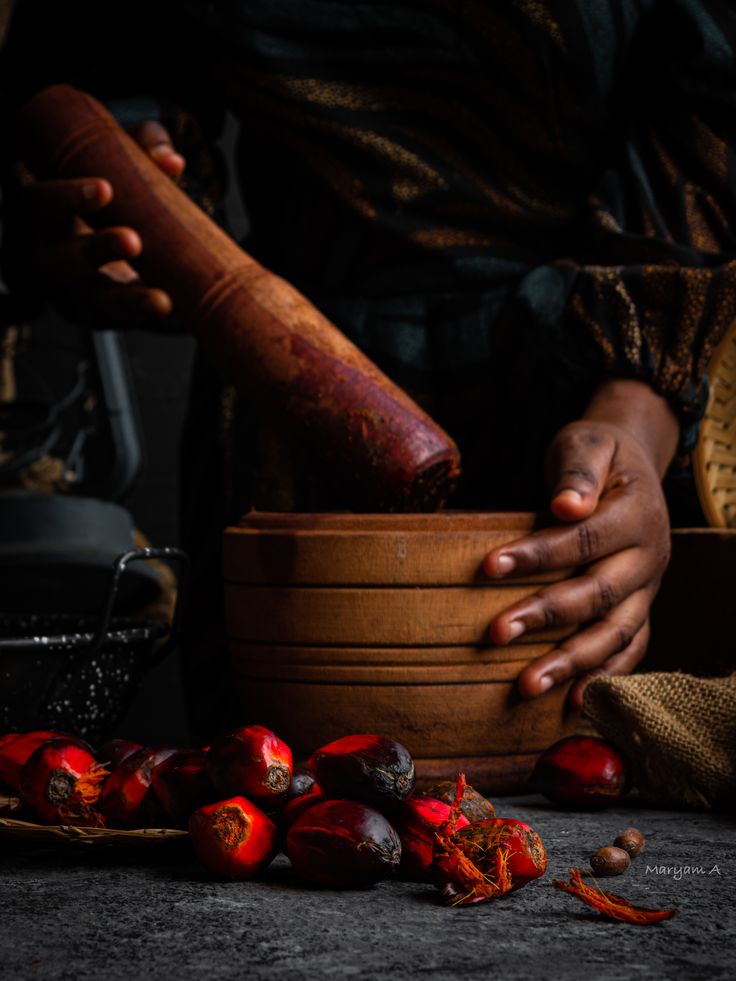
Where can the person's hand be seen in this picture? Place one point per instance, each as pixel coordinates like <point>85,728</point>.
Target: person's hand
<point>605,481</point>
<point>86,272</point>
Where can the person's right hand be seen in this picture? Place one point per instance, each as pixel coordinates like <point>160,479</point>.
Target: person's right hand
<point>87,272</point>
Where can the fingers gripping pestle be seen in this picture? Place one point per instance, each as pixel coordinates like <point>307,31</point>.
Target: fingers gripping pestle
<point>264,336</point>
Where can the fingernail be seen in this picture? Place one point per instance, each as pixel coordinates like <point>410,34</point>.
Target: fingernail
<point>163,151</point>
<point>516,628</point>
<point>545,683</point>
<point>90,191</point>
<point>120,247</point>
<point>160,150</point>
<point>505,564</point>
<point>573,496</point>
<point>156,304</point>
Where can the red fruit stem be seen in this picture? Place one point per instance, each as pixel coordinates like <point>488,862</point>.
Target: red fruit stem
<point>450,825</point>
<point>611,906</point>
<point>230,826</point>
<point>465,872</point>
<point>454,862</point>
<point>80,804</point>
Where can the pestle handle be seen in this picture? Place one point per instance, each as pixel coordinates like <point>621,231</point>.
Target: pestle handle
<point>264,336</point>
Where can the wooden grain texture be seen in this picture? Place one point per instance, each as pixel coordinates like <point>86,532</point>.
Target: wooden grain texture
<point>385,665</point>
<point>434,553</point>
<point>343,623</point>
<point>455,521</point>
<point>411,656</point>
<point>266,337</point>
<point>444,720</point>
<point>315,615</point>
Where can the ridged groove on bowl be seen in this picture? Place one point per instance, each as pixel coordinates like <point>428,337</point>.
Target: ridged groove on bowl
<point>315,616</point>
<point>384,665</point>
<point>366,557</point>
<point>430,720</point>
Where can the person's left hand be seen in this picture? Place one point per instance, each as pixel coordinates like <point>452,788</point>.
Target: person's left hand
<point>51,250</point>
<point>607,493</point>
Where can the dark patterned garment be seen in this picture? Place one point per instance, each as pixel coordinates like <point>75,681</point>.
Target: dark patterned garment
<point>481,176</point>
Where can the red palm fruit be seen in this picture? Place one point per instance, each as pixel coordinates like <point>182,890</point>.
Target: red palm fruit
<point>302,781</point>
<point>581,771</point>
<point>343,844</point>
<point>526,859</point>
<point>417,822</point>
<point>116,751</point>
<point>473,805</point>
<point>485,860</point>
<point>16,747</point>
<point>60,781</point>
<point>182,784</point>
<point>125,792</point>
<point>233,838</point>
<point>298,806</point>
<point>251,761</point>
<point>372,769</point>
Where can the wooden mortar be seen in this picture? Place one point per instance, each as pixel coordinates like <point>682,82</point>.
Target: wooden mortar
<point>267,338</point>
<point>343,624</point>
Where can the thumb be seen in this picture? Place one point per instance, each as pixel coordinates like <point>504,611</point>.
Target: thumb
<point>577,467</point>
<point>155,140</point>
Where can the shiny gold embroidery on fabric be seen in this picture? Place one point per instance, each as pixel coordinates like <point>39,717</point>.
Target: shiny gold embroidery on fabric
<point>675,367</point>
<point>411,176</point>
<point>415,176</point>
<point>337,175</point>
<point>515,187</point>
<point>577,307</point>
<point>656,309</point>
<point>706,223</point>
<point>603,217</point>
<point>458,165</point>
<point>338,95</point>
<point>647,225</point>
<point>611,291</point>
<point>712,150</point>
<point>539,14</point>
<point>669,168</point>
<point>448,238</point>
<point>342,180</point>
<point>721,315</point>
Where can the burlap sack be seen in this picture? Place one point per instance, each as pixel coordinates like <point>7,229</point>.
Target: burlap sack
<point>678,731</point>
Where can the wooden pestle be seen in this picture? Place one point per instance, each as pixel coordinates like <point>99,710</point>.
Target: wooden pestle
<point>264,336</point>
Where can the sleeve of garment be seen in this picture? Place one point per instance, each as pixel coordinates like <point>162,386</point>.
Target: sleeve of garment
<point>651,285</point>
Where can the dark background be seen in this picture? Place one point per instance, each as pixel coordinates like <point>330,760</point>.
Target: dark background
<point>159,368</point>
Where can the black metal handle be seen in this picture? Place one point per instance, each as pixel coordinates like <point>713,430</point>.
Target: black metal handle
<point>119,567</point>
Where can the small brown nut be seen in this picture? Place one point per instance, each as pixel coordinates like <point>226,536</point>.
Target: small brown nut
<point>631,840</point>
<point>610,861</point>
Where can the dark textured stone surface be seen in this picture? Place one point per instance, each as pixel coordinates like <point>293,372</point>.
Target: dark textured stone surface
<point>80,913</point>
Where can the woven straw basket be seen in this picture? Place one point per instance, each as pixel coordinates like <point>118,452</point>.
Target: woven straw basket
<point>714,460</point>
